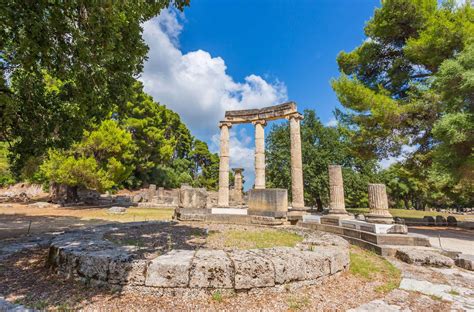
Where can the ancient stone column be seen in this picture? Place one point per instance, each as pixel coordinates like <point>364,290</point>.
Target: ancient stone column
<point>259,154</point>
<point>336,191</point>
<point>223,196</point>
<point>238,184</point>
<point>297,191</point>
<point>378,204</point>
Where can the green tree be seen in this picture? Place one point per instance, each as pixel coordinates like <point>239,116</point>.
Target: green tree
<point>69,65</point>
<point>410,84</point>
<point>158,132</point>
<point>321,146</point>
<point>101,161</point>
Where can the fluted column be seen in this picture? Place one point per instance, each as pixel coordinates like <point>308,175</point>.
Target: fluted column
<point>238,184</point>
<point>336,191</point>
<point>259,154</point>
<point>223,196</point>
<point>378,204</point>
<point>297,190</point>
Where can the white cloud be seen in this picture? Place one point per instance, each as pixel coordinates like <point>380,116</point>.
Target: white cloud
<point>196,84</point>
<point>197,87</point>
<point>332,122</point>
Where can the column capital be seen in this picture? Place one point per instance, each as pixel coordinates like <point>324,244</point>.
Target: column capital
<point>238,170</point>
<point>296,116</point>
<point>228,124</point>
<point>262,122</point>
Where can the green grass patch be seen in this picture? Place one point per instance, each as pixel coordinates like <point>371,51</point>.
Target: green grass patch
<point>372,267</point>
<point>405,213</point>
<point>263,238</point>
<point>297,303</point>
<point>453,292</point>
<point>217,296</point>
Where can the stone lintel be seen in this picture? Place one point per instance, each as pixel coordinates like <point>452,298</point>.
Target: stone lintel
<point>266,113</point>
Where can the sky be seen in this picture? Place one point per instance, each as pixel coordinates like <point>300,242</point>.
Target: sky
<point>223,55</point>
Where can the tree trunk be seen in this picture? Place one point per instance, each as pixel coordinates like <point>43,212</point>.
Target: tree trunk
<point>319,203</point>
<point>71,194</point>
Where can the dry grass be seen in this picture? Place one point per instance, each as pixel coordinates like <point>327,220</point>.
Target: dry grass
<point>257,238</point>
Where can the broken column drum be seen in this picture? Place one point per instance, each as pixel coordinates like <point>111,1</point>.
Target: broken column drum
<point>238,184</point>
<point>336,191</point>
<point>378,205</point>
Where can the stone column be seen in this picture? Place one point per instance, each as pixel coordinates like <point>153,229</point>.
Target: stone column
<point>297,190</point>
<point>223,196</point>
<point>378,204</point>
<point>259,154</point>
<point>336,191</point>
<point>238,184</point>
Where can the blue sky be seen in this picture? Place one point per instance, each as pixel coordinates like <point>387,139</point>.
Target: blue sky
<point>221,55</point>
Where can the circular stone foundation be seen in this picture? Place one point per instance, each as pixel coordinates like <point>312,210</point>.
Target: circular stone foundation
<point>174,255</point>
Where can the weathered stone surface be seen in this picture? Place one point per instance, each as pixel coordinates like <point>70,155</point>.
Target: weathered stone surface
<point>288,265</point>
<point>137,198</point>
<point>223,196</point>
<point>125,271</point>
<point>424,257</point>
<point>378,204</point>
<point>211,269</point>
<point>268,202</point>
<point>170,270</point>
<point>452,221</point>
<point>252,270</point>
<point>398,229</point>
<point>95,265</point>
<point>259,154</point>
<point>465,261</point>
<point>88,255</point>
<point>297,188</point>
<point>190,197</point>
<point>336,190</point>
<point>117,210</point>
<point>441,221</point>
<point>429,220</point>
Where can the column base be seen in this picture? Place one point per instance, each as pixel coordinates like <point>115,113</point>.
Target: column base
<point>376,218</point>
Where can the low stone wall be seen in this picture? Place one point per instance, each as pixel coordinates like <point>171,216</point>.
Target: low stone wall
<point>87,255</point>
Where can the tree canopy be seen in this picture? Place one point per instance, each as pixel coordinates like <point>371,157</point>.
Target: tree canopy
<point>65,67</point>
<point>409,86</point>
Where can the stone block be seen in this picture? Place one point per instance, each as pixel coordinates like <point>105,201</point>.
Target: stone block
<point>170,270</point>
<point>424,257</point>
<point>312,218</point>
<point>288,264</point>
<point>190,197</point>
<point>211,269</point>
<point>452,221</point>
<point>252,270</point>
<point>126,271</point>
<point>429,220</point>
<point>441,221</point>
<point>117,210</point>
<point>268,202</point>
<point>465,261</point>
